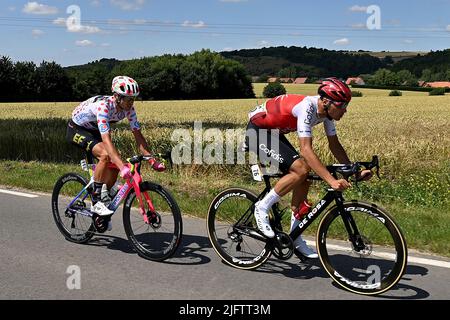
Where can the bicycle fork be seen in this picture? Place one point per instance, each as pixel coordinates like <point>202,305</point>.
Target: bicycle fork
<point>151,217</point>
<point>349,223</point>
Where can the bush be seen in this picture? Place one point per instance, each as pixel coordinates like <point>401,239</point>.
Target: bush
<point>395,93</point>
<point>357,94</point>
<point>437,92</point>
<point>274,89</point>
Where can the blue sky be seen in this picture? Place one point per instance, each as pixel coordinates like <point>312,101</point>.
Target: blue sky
<point>126,29</point>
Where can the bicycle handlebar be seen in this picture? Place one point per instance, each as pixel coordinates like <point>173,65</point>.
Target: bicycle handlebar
<point>348,170</point>
<point>140,158</point>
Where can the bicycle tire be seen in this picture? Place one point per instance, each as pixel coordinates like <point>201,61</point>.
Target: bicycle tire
<point>379,232</point>
<point>226,242</point>
<point>81,228</point>
<point>156,245</point>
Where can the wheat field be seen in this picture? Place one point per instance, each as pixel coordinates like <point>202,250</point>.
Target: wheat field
<point>409,133</point>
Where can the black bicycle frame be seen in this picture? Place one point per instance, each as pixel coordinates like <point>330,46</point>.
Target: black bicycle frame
<point>315,212</point>
<point>308,218</point>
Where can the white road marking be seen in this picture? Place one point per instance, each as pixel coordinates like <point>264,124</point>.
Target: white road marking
<point>20,194</point>
<point>431,262</point>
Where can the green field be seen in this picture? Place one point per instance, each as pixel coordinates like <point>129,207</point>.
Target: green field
<point>409,133</point>
<point>311,89</point>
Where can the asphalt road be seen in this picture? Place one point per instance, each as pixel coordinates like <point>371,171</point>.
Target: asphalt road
<point>37,263</point>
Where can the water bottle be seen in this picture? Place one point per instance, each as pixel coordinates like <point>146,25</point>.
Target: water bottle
<point>304,208</point>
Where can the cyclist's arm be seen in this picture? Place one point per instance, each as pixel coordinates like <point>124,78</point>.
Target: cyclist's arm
<point>141,142</point>
<point>112,151</point>
<point>337,149</point>
<point>313,160</point>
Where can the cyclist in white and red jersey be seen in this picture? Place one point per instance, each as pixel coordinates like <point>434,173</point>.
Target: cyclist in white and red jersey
<point>90,129</point>
<point>265,136</point>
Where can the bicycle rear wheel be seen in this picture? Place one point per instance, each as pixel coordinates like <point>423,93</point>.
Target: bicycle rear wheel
<point>238,244</point>
<point>160,239</point>
<point>375,262</point>
<point>75,226</point>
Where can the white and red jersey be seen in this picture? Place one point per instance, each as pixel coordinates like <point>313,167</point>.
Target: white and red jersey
<point>291,112</point>
<point>98,112</point>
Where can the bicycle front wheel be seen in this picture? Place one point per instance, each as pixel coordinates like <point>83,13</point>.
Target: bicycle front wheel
<point>374,261</point>
<point>233,232</point>
<point>67,208</point>
<point>160,238</point>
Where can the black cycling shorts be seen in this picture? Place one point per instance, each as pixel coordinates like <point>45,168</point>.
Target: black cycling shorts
<point>271,147</point>
<point>82,137</point>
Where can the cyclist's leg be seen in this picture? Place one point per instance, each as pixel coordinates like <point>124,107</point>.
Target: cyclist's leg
<point>90,141</point>
<point>103,173</point>
<point>272,147</point>
<point>299,194</point>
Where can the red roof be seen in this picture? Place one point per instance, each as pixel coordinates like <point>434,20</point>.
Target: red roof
<point>300,80</point>
<point>438,84</point>
<point>356,80</point>
<point>286,80</point>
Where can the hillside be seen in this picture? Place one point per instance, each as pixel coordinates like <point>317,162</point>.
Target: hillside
<point>435,61</point>
<point>302,61</point>
<point>395,55</point>
<point>313,63</point>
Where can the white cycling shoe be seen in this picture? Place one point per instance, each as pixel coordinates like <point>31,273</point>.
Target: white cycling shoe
<point>304,249</point>
<point>101,209</point>
<point>262,220</point>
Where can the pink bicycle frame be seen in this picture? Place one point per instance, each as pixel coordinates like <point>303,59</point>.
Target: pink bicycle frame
<point>131,183</point>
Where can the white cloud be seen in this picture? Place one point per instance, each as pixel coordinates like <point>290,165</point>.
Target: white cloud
<point>83,29</point>
<point>96,3</point>
<point>37,8</point>
<point>342,42</point>
<point>448,28</point>
<point>12,8</point>
<point>37,33</point>
<point>85,43</point>
<point>105,45</point>
<point>227,49</point>
<point>408,41</point>
<point>199,24</point>
<point>75,27</point>
<point>263,43</point>
<point>60,22</point>
<point>357,8</point>
<point>128,5</point>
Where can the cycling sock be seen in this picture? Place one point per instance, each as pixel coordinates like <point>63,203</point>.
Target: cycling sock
<point>294,222</point>
<point>97,191</point>
<point>269,200</point>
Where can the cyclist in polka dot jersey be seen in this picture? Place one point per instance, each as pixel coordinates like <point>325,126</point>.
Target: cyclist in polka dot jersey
<point>90,130</point>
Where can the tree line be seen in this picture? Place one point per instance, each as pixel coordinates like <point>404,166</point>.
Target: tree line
<point>314,63</point>
<point>201,75</point>
<point>292,62</point>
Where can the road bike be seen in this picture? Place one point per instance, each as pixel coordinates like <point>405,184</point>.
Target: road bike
<point>359,244</point>
<point>151,216</point>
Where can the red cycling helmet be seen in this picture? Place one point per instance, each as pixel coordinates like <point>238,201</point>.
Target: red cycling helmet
<point>335,90</point>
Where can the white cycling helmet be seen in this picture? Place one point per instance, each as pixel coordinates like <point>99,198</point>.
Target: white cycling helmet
<point>125,86</point>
